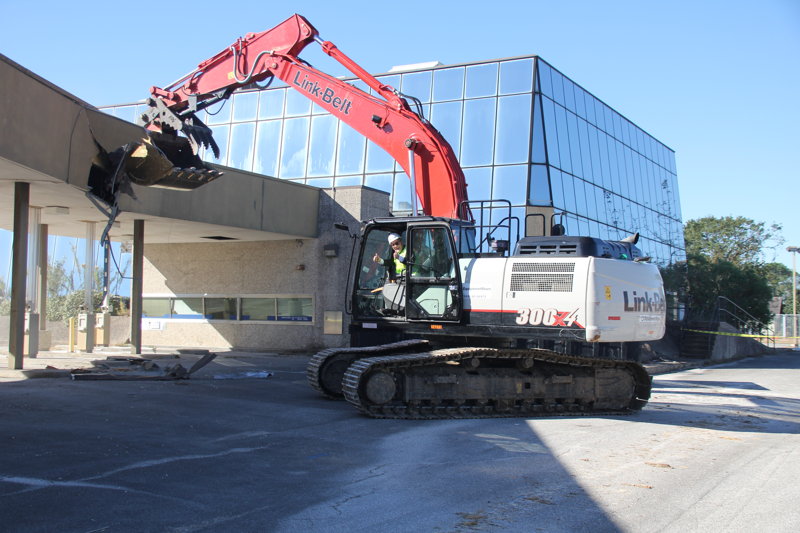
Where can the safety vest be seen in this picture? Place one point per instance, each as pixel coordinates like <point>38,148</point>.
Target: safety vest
<point>399,267</point>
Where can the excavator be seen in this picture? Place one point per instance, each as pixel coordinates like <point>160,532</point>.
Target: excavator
<point>467,326</point>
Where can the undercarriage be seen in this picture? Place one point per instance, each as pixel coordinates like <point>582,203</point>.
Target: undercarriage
<point>414,382</point>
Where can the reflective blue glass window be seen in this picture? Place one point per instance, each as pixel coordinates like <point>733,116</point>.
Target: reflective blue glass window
<point>513,129</point>
<point>591,201</point>
<point>594,151</point>
<point>350,151</point>
<point>381,182</point>
<point>478,140</point>
<point>359,84</point>
<point>401,197</point>
<point>557,81</point>
<point>245,106</point>
<point>378,160</point>
<point>418,85</point>
<point>632,191</point>
<point>538,153</point>
<point>580,197</point>
<point>568,183</point>
<point>220,134</point>
<point>574,144</point>
<point>589,101</point>
<point>599,114</point>
<point>242,145</point>
<point>545,82</point>
<point>622,170</point>
<point>580,102</point>
<point>447,119</point>
<point>569,224</point>
<point>392,80</point>
<point>479,181</point>
<point>551,132</point>
<point>297,104</point>
<point>617,217</point>
<point>609,115</point>
<point>268,144</point>
<point>583,226</point>
<point>323,144</point>
<point>569,94</point>
<point>621,127</point>
<point>540,186</point>
<point>271,104</point>
<point>563,138</point>
<point>295,148</point>
<point>516,76</point>
<point>218,113</point>
<point>322,183</point>
<point>348,181</point>
<point>614,170</point>
<point>602,151</point>
<point>557,189</point>
<point>481,80</point>
<point>510,183</point>
<point>606,207</point>
<point>641,140</point>
<point>586,158</point>
<point>448,84</point>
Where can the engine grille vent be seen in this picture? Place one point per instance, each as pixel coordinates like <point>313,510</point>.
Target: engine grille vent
<point>542,267</point>
<point>542,277</point>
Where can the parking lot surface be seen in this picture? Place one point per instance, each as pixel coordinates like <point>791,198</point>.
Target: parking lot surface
<point>246,445</point>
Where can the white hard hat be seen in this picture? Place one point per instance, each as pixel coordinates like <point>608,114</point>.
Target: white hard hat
<point>393,237</point>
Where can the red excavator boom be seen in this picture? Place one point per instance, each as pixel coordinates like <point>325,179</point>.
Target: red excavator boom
<point>385,117</point>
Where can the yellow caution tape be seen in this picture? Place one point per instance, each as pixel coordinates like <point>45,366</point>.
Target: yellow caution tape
<point>739,334</point>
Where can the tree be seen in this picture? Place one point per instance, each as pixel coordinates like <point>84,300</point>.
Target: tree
<point>779,277</point>
<point>744,285</point>
<point>5,298</point>
<point>59,281</point>
<point>724,257</point>
<point>738,240</point>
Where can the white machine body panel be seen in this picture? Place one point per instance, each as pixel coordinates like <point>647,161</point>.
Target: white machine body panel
<point>602,300</point>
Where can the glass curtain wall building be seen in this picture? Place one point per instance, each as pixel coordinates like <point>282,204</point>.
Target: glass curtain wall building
<point>523,132</point>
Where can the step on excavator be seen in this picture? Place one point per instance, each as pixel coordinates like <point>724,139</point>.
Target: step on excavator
<point>447,320</point>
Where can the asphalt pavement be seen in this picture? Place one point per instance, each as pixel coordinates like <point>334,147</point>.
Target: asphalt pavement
<point>246,445</point>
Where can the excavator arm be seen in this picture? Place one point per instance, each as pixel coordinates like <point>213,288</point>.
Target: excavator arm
<point>385,117</point>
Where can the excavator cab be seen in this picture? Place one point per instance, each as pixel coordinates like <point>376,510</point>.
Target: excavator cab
<point>428,289</point>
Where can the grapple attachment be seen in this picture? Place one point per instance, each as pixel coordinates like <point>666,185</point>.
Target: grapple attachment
<point>167,161</point>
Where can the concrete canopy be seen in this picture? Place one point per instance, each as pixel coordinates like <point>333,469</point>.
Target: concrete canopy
<point>48,138</point>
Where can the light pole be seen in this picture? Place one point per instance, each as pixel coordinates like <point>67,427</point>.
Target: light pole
<point>793,250</point>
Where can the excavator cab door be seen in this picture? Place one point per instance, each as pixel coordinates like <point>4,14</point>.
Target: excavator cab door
<point>433,284</point>
<point>429,288</point>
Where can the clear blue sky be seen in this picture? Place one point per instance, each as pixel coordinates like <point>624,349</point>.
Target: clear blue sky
<point>718,81</point>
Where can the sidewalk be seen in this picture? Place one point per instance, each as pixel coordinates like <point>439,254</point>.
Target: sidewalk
<point>59,363</point>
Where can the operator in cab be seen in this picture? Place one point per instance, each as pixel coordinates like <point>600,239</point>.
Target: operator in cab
<point>395,262</point>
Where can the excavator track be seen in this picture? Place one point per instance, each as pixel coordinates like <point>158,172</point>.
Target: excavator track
<point>326,369</point>
<point>487,382</point>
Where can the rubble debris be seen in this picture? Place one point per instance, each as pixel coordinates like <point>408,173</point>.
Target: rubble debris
<point>246,375</point>
<point>137,369</point>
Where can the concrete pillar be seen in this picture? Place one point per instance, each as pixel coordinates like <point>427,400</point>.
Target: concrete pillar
<point>136,286</point>
<point>44,334</point>
<point>88,287</point>
<point>33,282</point>
<point>16,338</point>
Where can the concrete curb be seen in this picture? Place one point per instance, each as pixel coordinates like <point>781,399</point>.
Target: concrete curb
<point>34,373</point>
